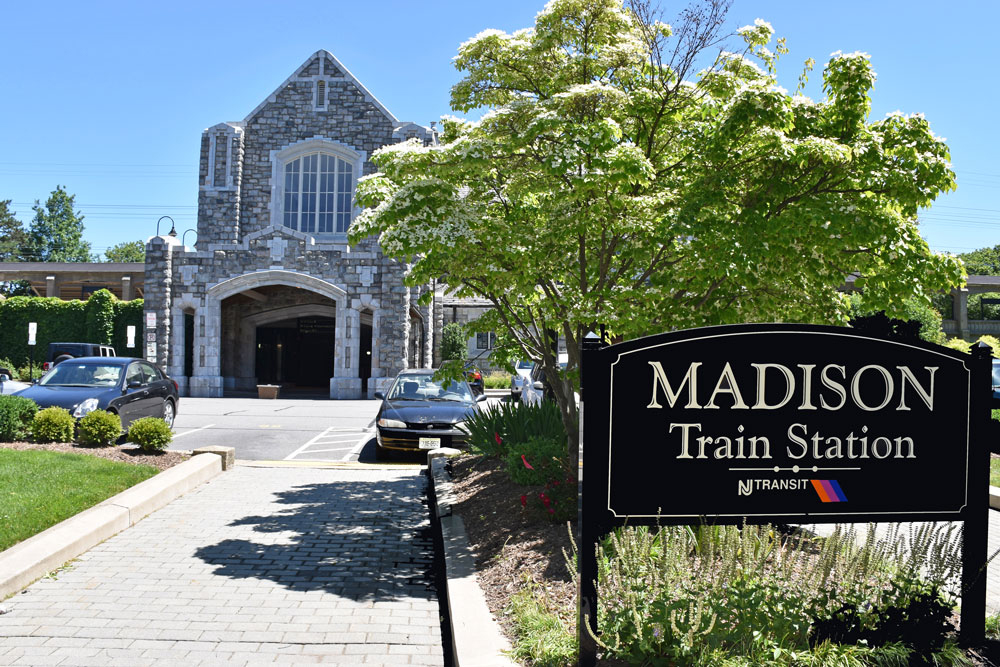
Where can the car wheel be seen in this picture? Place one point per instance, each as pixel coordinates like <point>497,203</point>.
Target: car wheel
<point>168,413</point>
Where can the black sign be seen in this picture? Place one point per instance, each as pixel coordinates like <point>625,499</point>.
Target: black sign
<point>774,423</point>
<point>785,424</point>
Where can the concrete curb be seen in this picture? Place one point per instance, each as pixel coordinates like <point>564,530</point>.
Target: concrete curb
<point>476,638</point>
<point>33,558</point>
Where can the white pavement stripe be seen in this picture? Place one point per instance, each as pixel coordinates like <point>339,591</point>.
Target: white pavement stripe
<point>354,453</point>
<point>194,430</point>
<point>306,446</point>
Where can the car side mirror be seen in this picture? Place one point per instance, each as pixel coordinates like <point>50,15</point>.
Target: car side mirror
<point>481,398</point>
<point>538,385</point>
<point>4,377</point>
<point>134,384</point>
<point>379,395</point>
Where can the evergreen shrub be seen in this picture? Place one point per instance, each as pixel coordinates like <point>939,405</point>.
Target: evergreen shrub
<point>53,425</point>
<point>151,434</point>
<point>16,415</point>
<point>99,428</point>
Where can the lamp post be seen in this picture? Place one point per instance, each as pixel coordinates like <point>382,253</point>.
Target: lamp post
<point>184,236</point>
<point>173,229</point>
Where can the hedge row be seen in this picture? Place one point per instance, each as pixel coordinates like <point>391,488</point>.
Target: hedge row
<point>101,319</point>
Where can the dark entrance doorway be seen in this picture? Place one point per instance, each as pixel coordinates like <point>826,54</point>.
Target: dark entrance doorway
<point>296,352</point>
<point>365,353</point>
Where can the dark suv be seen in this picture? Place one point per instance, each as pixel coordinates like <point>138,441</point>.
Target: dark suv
<point>59,352</point>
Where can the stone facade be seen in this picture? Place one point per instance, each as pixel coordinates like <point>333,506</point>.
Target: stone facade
<point>251,271</point>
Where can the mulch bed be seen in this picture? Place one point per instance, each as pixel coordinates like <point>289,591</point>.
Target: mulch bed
<point>515,547</point>
<point>125,453</point>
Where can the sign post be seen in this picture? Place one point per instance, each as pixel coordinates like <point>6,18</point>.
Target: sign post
<point>130,336</point>
<point>782,423</point>
<point>32,330</point>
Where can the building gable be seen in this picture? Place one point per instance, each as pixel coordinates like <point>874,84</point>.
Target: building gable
<point>324,66</point>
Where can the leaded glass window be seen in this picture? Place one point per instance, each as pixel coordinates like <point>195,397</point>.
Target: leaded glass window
<point>319,188</point>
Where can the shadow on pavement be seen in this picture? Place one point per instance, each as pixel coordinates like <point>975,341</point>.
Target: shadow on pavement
<point>361,540</point>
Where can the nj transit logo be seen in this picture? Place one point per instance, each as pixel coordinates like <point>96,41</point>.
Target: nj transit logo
<point>829,490</point>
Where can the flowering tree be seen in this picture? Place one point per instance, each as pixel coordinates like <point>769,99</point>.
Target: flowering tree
<point>610,185</point>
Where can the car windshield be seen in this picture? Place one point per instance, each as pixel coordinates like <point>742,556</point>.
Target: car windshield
<point>72,374</point>
<point>996,374</point>
<point>525,365</point>
<point>425,388</point>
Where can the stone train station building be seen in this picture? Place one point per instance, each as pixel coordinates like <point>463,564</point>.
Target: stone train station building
<point>274,293</point>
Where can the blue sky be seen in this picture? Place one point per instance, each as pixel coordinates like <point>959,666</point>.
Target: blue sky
<point>109,99</point>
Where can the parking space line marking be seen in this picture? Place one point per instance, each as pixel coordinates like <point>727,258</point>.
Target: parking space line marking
<point>306,446</point>
<point>365,437</point>
<point>201,428</point>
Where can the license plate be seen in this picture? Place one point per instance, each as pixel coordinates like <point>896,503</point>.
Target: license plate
<point>429,443</point>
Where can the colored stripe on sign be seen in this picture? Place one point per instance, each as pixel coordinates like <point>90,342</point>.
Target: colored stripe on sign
<point>818,485</point>
<point>829,490</point>
<point>836,489</point>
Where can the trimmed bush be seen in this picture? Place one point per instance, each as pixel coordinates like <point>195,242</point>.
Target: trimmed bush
<point>99,428</point>
<point>151,433</point>
<point>16,415</point>
<point>53,425</point>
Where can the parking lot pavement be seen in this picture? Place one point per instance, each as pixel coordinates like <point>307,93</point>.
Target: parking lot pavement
<point>273,430</point>
<point>259,565</point>
<point>285,429</point>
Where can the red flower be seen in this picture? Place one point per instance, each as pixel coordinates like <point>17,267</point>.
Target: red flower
<point>526,464</point>
<point>551,511</point>
<point>545,499</point>
<point>524,501</point>
<point>496,436</point>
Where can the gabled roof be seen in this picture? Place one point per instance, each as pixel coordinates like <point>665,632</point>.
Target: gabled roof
<point>320,56</point>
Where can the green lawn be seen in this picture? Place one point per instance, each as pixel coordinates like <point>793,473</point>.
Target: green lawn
<point>994,472</point>
<point>39,489</point>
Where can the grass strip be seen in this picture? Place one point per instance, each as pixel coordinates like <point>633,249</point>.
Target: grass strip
<point>38,489</point>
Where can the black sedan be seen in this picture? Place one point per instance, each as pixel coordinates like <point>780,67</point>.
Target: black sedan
<point>132,388</point>
<point>420,413</point>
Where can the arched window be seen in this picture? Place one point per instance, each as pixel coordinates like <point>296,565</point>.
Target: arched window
<point>318,191</point>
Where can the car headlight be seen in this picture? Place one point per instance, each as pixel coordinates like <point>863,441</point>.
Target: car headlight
<point>86,407</point>
<point>391,423</point>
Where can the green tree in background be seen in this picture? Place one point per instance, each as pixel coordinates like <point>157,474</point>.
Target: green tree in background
<point>982,262</point>
<point>56,232</point>
<point>12,234</point>
<point>453,341</point>
<point>12,241</point>
<point>612,184</point>
<point>126,251</point>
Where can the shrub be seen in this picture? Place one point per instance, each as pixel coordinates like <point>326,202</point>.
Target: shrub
<point>6,363</point>
<point>454,342</point>
<point>151,434</point>
<point>99,428</point>
<point>16,415</point>
<point>536,461</point>
<point>53,425</point>
<point>496,380</point>
<point>494,430</point>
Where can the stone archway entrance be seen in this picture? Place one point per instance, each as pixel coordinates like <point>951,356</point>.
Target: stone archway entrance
<point>273,327</point>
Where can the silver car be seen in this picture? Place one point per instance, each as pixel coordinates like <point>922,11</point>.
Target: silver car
<point>8,386</point>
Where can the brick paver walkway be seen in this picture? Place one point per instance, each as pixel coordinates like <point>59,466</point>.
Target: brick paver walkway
<point>260,565</point>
